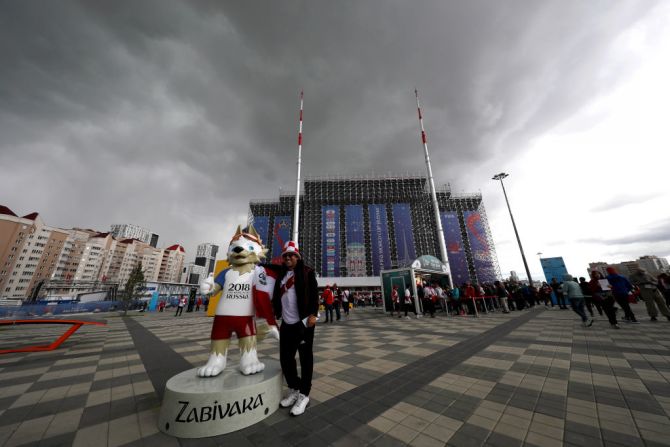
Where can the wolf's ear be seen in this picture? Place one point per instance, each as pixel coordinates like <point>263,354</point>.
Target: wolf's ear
<point>239,230</point>
<point>252,231</point>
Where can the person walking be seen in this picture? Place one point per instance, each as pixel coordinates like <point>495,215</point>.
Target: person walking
<point>573,293</point>
<point>328,300</point>
<point>605,299</point>
<point>296,300</point>
<point>558,293</point>
<point>345,302</point>
<point>588,297</point>
<point>663,284</point>
<point>621,288</point>
<point>648,286</point>
<point>502,294</point>
<point>337,301</point>
<point>395,300</point>
<point>180,306</point>
<point>408,302</point>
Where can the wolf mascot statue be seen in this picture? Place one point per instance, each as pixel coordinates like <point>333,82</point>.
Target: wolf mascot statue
<point>246,289</point>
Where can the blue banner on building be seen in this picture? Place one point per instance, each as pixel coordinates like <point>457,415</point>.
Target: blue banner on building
<point>330,240</point>
<point>281,233</point>
<point>404,239</point>
<point>458,263</point>
<point>479,244</point>
<point>379,239</point>
<point>261,224</point>
<point>355,235</point>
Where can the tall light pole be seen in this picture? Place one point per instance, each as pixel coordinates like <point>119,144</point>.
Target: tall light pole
<point>500,177</point>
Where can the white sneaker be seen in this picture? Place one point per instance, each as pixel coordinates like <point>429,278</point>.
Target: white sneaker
<point>290,398</point>
<point>300,405</point>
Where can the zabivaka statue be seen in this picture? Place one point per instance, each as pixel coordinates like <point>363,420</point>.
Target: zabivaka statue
<point>246,289</point>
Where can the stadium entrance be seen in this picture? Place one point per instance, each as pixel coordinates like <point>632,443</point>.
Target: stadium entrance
<point>425,269</point>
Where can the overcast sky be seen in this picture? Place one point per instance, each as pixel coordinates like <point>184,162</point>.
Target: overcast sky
<point>173,115</point>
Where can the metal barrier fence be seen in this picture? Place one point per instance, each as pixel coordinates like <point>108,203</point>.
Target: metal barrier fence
<point>29,310</point>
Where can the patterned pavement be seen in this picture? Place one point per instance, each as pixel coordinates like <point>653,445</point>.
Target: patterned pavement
<point>532,378</point>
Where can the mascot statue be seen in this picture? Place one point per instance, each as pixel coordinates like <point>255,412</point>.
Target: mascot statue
<point>246,289</point>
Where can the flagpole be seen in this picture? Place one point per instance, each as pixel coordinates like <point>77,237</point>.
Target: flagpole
<point>433,195</point>
<point>296,208</point>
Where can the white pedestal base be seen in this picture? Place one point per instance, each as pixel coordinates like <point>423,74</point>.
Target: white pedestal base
<point>195,407</point>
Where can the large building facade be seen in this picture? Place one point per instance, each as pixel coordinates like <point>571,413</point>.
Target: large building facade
<point>353,227</point>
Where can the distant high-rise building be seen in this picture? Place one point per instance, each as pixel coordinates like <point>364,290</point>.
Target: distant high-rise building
<point>205,256</point>
<point>154,240</point>
<point>130,231</point>
<point>653,264</point>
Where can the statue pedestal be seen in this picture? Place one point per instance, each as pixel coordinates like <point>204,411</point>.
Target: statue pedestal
<point>195,407</point>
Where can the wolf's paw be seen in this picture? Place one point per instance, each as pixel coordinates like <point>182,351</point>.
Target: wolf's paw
<point>249,363</point>
<point>213,367</point>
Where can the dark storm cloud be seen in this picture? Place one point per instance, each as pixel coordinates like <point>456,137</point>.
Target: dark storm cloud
<point>172,115</point>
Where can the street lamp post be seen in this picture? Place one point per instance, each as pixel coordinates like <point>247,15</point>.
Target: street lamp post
<point>500,177</point>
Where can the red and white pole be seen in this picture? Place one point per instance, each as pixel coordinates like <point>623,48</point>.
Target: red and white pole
<point>296,208</point>
<point>433,195</point>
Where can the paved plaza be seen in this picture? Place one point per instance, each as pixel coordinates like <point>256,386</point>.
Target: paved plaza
<point>533,378</point>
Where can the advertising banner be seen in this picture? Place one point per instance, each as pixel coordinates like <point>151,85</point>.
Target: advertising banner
<point>261,224</point>
<point>281,233</point>
<point>379,239</point>
<point>330,240</point>
<point>481,252</point>
<point>355,240</point>
<point>458,263</point>
<point>404,239</point>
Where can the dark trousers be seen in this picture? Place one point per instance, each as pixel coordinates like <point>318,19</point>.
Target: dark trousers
<point>607,304</point>
<point>297,338</point>
<point>337,311</point>
<point>590,302</point>
<point>577,305</point>
<point>622,300</point>
<point>329,312</point>
<point>180,309</point>
<point>560,299</point>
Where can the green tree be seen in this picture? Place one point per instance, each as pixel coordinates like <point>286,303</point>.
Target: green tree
<point>134,286</point>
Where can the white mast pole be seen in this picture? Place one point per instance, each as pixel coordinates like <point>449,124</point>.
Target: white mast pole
<point>433,195</point>
<point>296,213</point>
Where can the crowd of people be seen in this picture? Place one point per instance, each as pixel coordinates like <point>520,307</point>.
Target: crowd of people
<point>604,294</point>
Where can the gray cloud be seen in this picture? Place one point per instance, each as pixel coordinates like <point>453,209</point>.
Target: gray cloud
<point>621,201</point>
<point>173,114</point>
<point>657,232</point>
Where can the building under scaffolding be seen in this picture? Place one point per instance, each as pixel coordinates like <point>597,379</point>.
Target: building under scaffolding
<point>359,226</point>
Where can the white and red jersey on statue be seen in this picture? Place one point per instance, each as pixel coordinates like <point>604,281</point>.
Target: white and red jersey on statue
<point>246,294</point>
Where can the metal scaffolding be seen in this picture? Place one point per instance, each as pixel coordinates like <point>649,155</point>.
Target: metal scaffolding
<point>366,190</point>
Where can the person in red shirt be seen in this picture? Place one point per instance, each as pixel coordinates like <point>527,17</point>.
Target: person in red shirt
<point>395,300</point>
<point>328,300</point>
<point>469,298</point>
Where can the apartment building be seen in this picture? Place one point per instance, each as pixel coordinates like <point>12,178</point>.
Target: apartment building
<point>172,263</point>
<point>29,252</point>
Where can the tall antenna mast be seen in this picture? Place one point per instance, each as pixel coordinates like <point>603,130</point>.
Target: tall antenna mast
<point>296,208</point>
<point>433,195</point>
